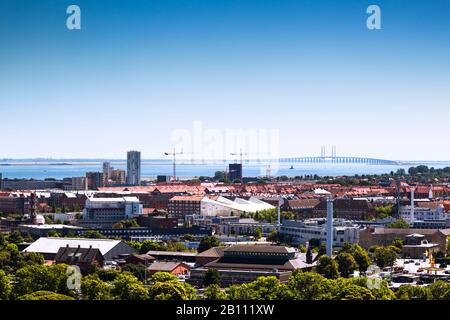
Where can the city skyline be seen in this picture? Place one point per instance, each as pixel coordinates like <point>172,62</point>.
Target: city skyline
<point>233,157</point>
<point>134,74</point>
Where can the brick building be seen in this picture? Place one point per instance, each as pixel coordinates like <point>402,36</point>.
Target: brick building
<point>87,259</point>
<point>172,267</point>
<point>346,208</point>
<point>302,207</point>
<point>180,206</point>
<point>12,205</point>
<point>385,236</point>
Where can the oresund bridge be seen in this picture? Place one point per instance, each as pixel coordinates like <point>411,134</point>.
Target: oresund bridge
<point>339,159</point>
<point>334,158</point>
<point>306,160</point>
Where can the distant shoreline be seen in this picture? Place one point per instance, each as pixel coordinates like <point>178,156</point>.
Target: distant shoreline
<point>95,160</point>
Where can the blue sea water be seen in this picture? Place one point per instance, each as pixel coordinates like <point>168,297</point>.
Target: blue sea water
<point>150,169</point>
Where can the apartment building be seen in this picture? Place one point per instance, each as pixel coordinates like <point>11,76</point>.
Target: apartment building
<point>303,231</point>
<point>107,211</point>
<point>134,168</point>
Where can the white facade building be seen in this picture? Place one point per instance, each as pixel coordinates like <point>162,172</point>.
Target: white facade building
<point>246,227</point>
<point>110,210</point>
<point>301,232</point>
<point>69,217</point>
<point>421,213</point>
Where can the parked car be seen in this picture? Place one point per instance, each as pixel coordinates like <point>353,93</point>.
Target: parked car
<point>110,265</point>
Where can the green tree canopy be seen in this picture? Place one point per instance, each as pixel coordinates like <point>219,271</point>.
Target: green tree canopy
<point>107,274</point>
<point>93,234</point>
<point>257,233</point>
<point>274,236</point>
<point>93,288</point>
<point>15,237</point>
<point>359,254</point>
<point>5,285</point>
<point>263,288</point>
<point>380,290</point>
<point>126,224</point>
<point>213,292</point>
<point>33,258</point>
<point>384,257</point>
<point>32,278</point>
<point>440,290</point>
<point>148,245</point>
<point>167,287</point>
<point>11,258</point>
<point>398,224</point>
<point>346,264</point>
<point>45,295</point>
<point>207,243</point>
<point>128,287</point>
<point>354,292</point>
<point>398,243</point>
<point>310,286</point>
<point>163,277</point>
<point>137,270</point>
<point>409,292</point>
<point>212,276</point>
<point>328,267</point>
<point>53,233</point>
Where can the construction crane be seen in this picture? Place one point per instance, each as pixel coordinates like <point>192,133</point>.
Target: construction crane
<point>174,162</point>
<point>241,154</point>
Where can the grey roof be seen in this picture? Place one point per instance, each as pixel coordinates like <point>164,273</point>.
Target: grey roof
<point>445,231</point>
<point>212,252</point>
<point>171,253</point>
<point>259,248</point>
<point>52,245</point>
<point>299,262</point>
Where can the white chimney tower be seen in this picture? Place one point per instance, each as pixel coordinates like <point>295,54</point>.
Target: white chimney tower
<point>280,203</point>
<point>329,227</point>
<point>411,216</point>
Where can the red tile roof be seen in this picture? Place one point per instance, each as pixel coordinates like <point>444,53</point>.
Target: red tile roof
<point>186,198</point>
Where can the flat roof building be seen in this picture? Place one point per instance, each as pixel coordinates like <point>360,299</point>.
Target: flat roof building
<point>49,247</point>
<point>107,211</point>
<point>244,263</point>
<point>303,231</point>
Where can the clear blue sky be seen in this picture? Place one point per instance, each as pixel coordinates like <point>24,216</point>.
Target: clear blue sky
<point>138,70</point>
